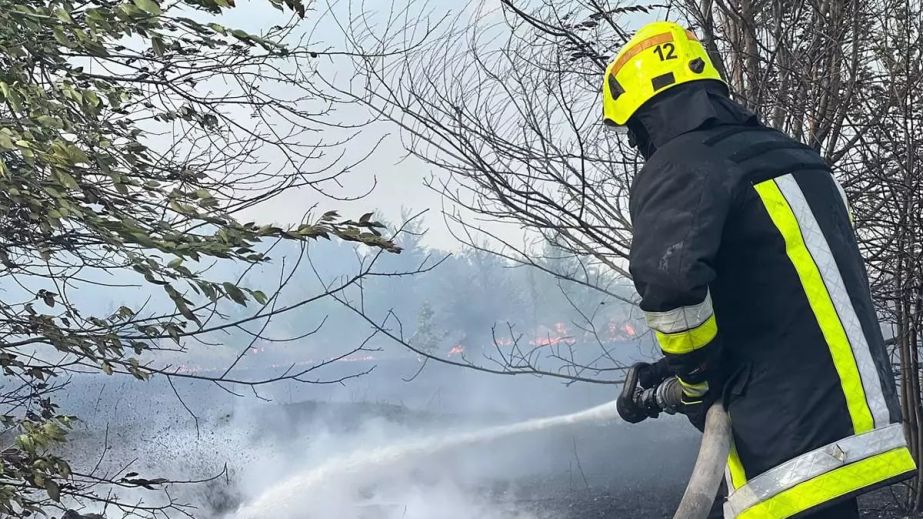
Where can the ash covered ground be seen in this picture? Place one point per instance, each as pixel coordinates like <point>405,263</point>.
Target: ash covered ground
<point>605,470</point>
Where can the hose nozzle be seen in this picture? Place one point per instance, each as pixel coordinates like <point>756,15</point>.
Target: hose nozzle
<point>636,404</point>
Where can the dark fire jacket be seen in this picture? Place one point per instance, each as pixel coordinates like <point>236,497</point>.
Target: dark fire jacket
<point>751,280</point>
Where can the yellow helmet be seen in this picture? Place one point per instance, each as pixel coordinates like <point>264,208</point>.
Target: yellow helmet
<point>661,55</point>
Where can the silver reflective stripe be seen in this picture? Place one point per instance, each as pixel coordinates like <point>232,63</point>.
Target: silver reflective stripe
<point>845,200</point>
<point>813,464</point>
<point>682,318</point>
<point>823,257</point>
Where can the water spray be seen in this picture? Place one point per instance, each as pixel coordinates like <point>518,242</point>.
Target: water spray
<point>281,499</point>
<point>275,501</point>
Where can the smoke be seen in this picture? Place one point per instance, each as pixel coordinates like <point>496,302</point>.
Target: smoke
<point>268,446</point>
<point>420,491</point>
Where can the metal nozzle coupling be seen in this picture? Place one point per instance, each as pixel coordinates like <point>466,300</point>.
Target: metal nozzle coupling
<point>669,395</point>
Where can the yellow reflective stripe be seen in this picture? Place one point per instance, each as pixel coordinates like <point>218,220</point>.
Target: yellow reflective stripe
<point>689,340</point>
<point>819,299</point>
<point>736,468</point>
<point>833,484</point>
<point>813,464</point>
<point>694,390</point>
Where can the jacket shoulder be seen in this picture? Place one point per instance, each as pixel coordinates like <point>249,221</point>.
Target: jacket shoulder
<point>688,160</point>
<point>691,148</point>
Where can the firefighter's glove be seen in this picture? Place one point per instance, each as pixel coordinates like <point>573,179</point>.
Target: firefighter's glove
<point>651,375</point>
<point>694,403</point>
<point>637,402</point>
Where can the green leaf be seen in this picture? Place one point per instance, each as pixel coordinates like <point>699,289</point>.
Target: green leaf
<point>50,122</point>
<point>242,36</point>
<point>259,296</point>
<point>6,142</point>
<point>129,10</point>
<point>157,45</point>
<point>66,180</point>
<point>208,202</point>
<point>236,294</point>
<point>186,312</point>
<point>91,98</point>
<point>148,6</point>
<point>60,37</point>
<point>173,332</point>
<point>54,491</point>
<point>47,297</point>
<point>24,442</point>
<point>63,15</point>
<point>208,289</point>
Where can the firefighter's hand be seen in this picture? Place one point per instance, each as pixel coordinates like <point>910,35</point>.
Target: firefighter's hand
<point>634,403</point>
<point>651,375</point>
<point>695,408</point>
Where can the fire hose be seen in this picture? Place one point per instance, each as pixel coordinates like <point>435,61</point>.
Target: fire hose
<point>638,403</point>
<point>709,466</point>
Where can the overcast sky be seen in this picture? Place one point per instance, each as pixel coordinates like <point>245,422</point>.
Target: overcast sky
<point>399,179</point>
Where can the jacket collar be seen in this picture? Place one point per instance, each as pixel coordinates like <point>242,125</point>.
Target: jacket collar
<point>682,109</point>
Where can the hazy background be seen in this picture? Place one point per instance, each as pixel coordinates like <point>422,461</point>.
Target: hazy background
<point>467,309</point>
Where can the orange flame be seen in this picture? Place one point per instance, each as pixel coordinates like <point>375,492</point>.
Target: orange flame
<point>553,341</point>
<point>629,330</point>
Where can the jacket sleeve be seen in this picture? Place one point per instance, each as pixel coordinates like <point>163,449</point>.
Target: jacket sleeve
<point>678,213</point>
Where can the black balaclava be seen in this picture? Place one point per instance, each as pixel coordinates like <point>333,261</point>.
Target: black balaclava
<point>682,109</point>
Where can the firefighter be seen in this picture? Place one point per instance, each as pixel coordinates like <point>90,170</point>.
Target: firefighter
<point>751,280</point>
